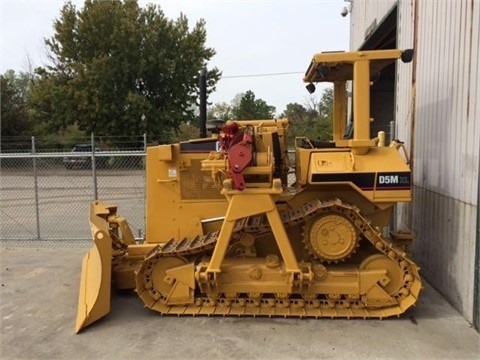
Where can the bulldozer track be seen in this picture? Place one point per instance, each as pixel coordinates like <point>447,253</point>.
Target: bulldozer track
<point>338,305</point>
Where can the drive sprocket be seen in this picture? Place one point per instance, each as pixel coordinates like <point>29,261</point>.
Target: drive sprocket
<point>330,237</point>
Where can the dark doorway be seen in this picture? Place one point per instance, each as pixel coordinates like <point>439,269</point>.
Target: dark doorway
<point>382,36</point>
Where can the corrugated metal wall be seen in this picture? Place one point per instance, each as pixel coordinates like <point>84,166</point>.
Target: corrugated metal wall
<point>438,115</point>
<point>364,15</point>
<point>447,135</point>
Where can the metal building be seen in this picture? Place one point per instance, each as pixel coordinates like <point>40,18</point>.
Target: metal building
<point>435,106</point>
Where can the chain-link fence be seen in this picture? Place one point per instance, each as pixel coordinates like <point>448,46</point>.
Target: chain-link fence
<point>46,195</point>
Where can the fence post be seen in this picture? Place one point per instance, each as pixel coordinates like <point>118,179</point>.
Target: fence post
<point>94,169</point>
<point>35,181</point>
<point>144,186</point>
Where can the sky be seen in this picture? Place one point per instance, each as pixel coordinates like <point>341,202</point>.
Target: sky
<point>263,46</point>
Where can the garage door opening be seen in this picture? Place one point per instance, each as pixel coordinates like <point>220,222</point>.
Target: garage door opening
<point>383,36</point>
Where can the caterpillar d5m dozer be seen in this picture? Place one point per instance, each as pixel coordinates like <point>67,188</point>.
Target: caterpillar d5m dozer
<point>227,234</point>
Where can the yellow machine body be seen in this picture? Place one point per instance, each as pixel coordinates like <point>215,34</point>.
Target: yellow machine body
<point>227,234</point>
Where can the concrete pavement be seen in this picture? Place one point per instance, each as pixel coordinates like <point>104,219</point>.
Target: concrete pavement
<point>39,289</point>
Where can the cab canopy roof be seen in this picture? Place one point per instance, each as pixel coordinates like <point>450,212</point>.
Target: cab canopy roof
<point>339,65</point>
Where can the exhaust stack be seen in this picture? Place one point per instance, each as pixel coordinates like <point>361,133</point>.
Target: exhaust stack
<point>203,104</point>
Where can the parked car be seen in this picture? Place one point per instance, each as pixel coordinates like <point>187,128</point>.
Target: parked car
<point>84,162</point>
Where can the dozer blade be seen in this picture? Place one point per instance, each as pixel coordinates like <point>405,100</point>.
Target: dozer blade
<point>94,294</point>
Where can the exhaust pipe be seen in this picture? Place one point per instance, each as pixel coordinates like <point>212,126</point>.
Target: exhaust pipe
<point>203,104</point>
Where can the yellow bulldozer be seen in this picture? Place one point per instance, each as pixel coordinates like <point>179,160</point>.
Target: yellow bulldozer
<point>227,233</point>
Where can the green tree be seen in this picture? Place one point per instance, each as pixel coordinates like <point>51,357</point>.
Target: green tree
<point>325,112</point>
<point>221,111</point>
<point>314,120</point>
<point>14,111</point>
<point>250,108</point>
<point>187,131</point>
<point>325,105</point>
<point>113,62</point>
<point>302,119</point>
